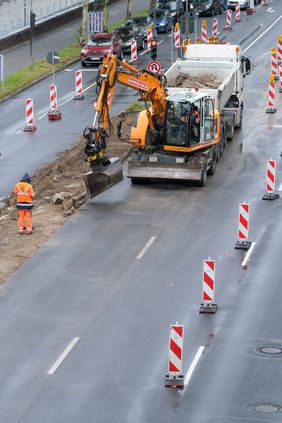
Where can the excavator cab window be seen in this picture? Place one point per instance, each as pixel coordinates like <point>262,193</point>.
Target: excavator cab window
<point>176,123</point>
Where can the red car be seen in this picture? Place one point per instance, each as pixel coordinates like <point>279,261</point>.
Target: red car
<point>98,46</point>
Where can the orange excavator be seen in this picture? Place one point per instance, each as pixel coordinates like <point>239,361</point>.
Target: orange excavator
<point>177,137</point>
<point>106,172</point>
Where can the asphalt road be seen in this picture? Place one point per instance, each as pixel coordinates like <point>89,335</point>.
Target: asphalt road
<point>86,290</point>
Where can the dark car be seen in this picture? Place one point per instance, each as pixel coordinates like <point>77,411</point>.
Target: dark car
<point>208,7</point>
<point>139,24</point>
<point>97,48</point>
<point>164,20</point>
<point>128,34</point>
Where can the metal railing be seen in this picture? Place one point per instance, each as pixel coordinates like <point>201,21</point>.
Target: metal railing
<point>15,14</point>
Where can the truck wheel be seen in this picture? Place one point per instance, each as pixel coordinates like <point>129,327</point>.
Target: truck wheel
<point>212,168</point>
<point>230,132</point>
<point>204,177</point>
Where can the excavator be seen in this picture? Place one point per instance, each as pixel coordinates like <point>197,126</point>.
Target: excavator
<point>166,138</point>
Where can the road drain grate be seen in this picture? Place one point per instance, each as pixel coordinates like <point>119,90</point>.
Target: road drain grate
<point>265,408</point>
<point>270,350</point>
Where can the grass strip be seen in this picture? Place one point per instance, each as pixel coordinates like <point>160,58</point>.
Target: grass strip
<point>25,76</point>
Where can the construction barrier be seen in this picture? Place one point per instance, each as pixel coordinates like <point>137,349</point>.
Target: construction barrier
<point>271,96</point>
<point>208,292</point>
<point>133,50</point>
<point>215,27</point>
<point>215,39</point>
<point>149,37</point>
<point>270,181</point>
<point>274,65</point>
<point>210,40</point>
<point>279,49</point>
<point>198,41</point>
<point>243,227</point>
<point>29,116</point>
<point>54,113</point>
<point>264,2</point>
<point>228,25</point>
<point>280,78</point>
<point>175,378</point>
<point>237,13</point>
<point>78,86</point>
<point>177,35</point>
<point>204,33</point>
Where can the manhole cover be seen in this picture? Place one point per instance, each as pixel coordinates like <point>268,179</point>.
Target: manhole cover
<point>266,408</point>
<point>270,350</point>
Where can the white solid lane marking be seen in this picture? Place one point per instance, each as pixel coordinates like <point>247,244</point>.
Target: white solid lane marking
<point>194,364</point>
<point>69,99</point>
<point>247,256</point>
<point>62,356</point>
<point>160,42</point>
<point>143,52</point>
<point>261,35</point>
<point>147,246</point>
<point>280,187</point>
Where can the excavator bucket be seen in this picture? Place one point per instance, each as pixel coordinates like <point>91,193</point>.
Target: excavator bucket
<point>103,178</point>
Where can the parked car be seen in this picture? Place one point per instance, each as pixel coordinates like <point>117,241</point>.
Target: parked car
<point>164,20</point>
<point>244,4</point>
<point>98,46</point>
<point>208,7</point>
<point>127,34</point>
<point>138,23</point>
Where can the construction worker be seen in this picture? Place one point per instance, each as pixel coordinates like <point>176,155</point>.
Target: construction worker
<point>195,124</point>
<point>25,195</point>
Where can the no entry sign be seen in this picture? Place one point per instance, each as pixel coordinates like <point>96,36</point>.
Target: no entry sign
<point>154,67</point>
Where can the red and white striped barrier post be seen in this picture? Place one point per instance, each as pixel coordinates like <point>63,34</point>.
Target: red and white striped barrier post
<point>177,35</point>
<point>29,116</point>
<point>270,181</point>
<point>280,78</point>
<point>271,96</point>
<point>228,25</point>
<point>251,9</point>
<point>133,50</point>
<point>237,13</point>
<point>279,49</point>
<point>78,86</point>
<point>264,2</point>
<point>208,304</point>
<point>54,113</point>
<point>274,65</point>
<point>204,32</point>
<point>175,378</point>
<point>149,37</point>
<point>215,27</point>
<point>243,227</point>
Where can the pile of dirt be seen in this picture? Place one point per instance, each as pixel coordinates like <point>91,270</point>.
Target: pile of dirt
<point>185,80</point>
<point>61,180</point>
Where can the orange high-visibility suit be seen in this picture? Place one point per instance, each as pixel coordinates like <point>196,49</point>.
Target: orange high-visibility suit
<point>25,195</point>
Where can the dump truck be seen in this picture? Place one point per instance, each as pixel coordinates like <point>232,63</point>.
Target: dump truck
<point>210,80</point>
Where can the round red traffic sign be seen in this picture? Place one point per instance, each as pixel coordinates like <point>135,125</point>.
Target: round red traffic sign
<point>154,67</point>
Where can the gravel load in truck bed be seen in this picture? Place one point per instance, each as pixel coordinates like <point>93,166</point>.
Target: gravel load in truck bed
<point>185,80</point>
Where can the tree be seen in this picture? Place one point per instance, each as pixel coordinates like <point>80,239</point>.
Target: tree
<point>106,16</point>
<point>83,26</point>
<point>128,10</point>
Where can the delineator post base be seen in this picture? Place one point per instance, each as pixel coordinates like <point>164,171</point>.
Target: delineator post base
<point>54,115</point>
<point>78,97</point>
<point>174,381</point>
<point>270,196</point>
<point>242,245</point>
<point>29,128</point>
<point>228,28</point>
<point>270,110</point>
<point>208,308</point>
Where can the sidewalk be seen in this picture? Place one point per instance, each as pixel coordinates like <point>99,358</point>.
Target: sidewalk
<point>18,56</point>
